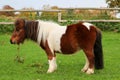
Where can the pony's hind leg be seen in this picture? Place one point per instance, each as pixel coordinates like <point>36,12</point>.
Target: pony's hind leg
<point>86,65</point>
<point>89,66</point>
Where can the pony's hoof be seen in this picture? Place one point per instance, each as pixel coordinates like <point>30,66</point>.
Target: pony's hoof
<point>83,70</point>
<point>90,71</point>
<point>51,70</point>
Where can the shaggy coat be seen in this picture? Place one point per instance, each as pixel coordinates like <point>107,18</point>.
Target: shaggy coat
<point>62,39</point>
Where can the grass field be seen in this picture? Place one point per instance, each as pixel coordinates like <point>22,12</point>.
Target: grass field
<point>35,62</point>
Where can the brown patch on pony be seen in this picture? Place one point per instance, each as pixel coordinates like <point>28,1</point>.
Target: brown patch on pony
<point>77,36</point>
<point>68,41</point>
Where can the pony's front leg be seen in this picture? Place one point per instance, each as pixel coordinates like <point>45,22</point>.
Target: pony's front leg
<point>52,65</point>
<point>51,59</point>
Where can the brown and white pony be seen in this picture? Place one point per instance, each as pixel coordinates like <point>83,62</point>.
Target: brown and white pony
<point>54,38</point>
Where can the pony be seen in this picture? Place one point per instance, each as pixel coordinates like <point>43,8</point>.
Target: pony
<point>54,38</point>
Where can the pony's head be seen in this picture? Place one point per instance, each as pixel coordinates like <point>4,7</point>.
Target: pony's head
<point>18,35</point>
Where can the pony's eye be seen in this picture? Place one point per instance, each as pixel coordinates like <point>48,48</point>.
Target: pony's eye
<point>17,29</point>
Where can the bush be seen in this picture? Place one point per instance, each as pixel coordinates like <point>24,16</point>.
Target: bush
<point>6,28</point>
<point>48,16</point>
<point>108,26</point>
<point>104,26</point>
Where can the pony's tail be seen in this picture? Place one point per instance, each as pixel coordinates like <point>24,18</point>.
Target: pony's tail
<point>98,52</point>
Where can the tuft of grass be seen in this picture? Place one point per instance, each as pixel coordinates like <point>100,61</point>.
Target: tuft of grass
<point>35,62</point>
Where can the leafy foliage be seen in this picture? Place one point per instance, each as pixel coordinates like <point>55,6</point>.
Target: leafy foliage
<point>106,26</point>
<point>27,15</point>
<point>6,28</point>
<point>113,3</point>
<point>48,16</point>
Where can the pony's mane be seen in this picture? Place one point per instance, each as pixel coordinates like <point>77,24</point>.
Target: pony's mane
<point>31,29</point>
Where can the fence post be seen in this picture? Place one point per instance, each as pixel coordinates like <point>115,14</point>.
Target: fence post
<point>59,16</point>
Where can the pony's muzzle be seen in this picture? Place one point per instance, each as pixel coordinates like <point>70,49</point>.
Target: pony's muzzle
<point>12,42</point>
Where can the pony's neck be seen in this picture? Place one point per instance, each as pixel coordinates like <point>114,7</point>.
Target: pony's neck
<point>31,28</point>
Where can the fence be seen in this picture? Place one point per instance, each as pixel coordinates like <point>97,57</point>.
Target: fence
<point>78,14</point>
<point>109,12</point>
<point>37,12</point>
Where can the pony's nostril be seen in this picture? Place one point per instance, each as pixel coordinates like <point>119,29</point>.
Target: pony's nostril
<point>12,42</point>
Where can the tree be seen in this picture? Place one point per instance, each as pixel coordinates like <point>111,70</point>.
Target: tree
<point>113,3</point>
<point>46,7</point>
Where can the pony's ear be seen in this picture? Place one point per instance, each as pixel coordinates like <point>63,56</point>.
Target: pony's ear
<point>19,23</point>
<point>20,19</point>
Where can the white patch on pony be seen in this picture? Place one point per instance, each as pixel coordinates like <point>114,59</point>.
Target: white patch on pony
<point>87,25</point>
<point>86,65</point>
<point>52,65</point>
<point>55,38</point>
<point>44,29</point>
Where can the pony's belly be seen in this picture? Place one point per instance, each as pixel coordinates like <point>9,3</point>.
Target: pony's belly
<point>57,45</point>
<point>69,49</point>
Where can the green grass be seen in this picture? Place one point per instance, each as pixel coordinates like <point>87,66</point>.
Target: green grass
<point>68,66</point>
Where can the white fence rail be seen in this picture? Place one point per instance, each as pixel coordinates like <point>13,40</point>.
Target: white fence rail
<point>30,10</point>
<point>91,8</point>
<point>6,22</point>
